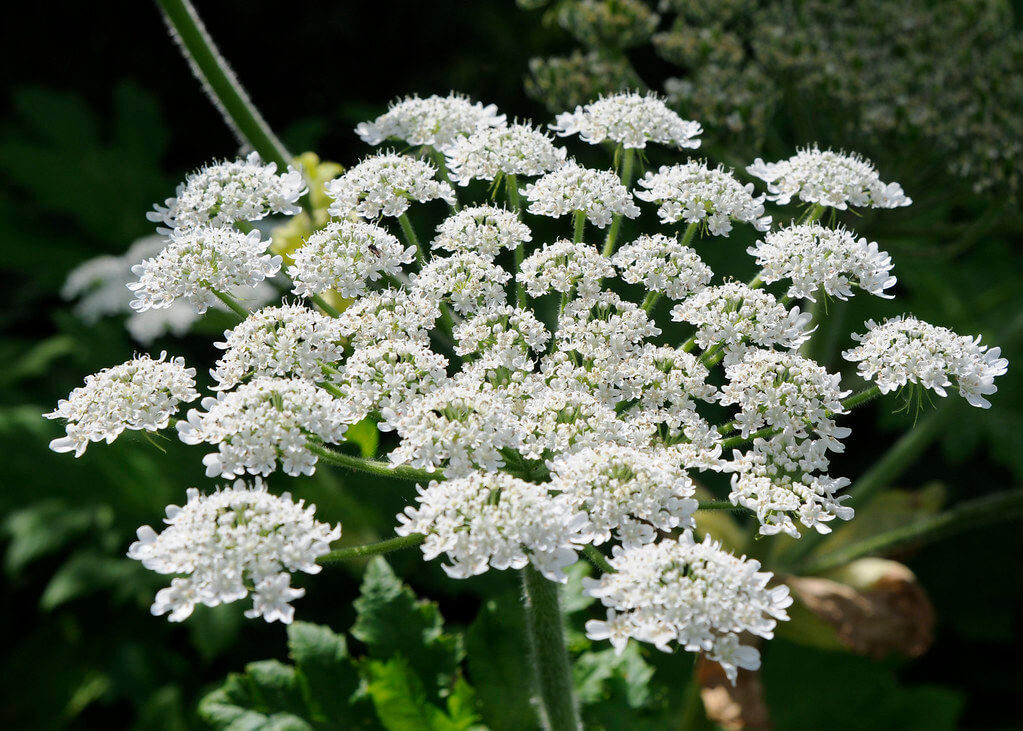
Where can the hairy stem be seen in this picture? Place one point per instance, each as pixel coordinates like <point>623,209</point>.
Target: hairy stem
<point>325,306</point>
<point>373,466</point>
<point>628,158</point>
<point>650,300</point>
<point>411,239</point>
<point>373,549</point>
<point>550,657</point>
<point>598,559</point>
<point>512,186</point>
<point>579,225</point>
<point>969,515</point>
<point>231,302</point>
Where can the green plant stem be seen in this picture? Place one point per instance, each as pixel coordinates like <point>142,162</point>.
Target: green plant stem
<point>719,505</point>
<point>693,715</point>
<point>650,300</point>
<point>550,658</point>
<point>598,559</point>
<point>223,86</point>
<point>628,159</point>
<point>690,234</point>
<point>973,514</point>
<point>373,549</point>
<point>814,213</point>
<point>442,170</point>
<point>411,239</point>
<point>512,186</point>
<point>232,303</point>
<point>325,306</point>
<point>373,466</point>
<point>332,389</point>
<point>579,225</point>
<point>858,399</point>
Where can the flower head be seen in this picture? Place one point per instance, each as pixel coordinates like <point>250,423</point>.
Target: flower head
<point>828,178</point>
<point>598,194</point>
<point>562,265</point>
<point>199,262</point>
<point>483,230</point>
<point>662,264</point>
<point>435,121</point>
<point>696,193</point>
<point>142,393</point>
<point>263,422</point>
<point>518,149</point>
<point>225,193</point>
<point>630,120</point>
<point>383,185</point>
<point>468,281</point>
<point>237,540</point>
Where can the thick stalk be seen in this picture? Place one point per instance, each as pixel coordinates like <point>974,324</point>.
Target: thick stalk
<point>598,559</point>
<point>550,658</point>
<point>411,239</point>
<point>373,549</point>
<point>373,466</point>
<point>650,300</point>
<point>512,186</point>
<point>628,158</point>
<point>969,515</point>
<point>442,170</point>
<point>222,85</point>
<point>579,225</point>
<point>690,234</point>
<point>324,305</point>
<point>232,303</point>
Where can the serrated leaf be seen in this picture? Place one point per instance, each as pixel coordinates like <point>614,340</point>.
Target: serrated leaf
<point>276,687</point>
<point>391,621</point>
<point>331,679</point>
<point>599,675</point>
<point>401,702</point>
<point>499,665</point>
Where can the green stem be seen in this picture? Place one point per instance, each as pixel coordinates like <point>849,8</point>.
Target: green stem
<point>373,466</point>
<point>219,81</point>
<point>693,715</point>
<point>858,399</point>
<point>550,657</point>
<point>332,389</point>
<point>690,234</point>
<point>373,549</point>
<point>325,306</point>
<point>231,303</point>
<point>512,186</point>
<point>628,158</point>
<point>650,300</point>
<point>719,505</point>
<point>598,559</point>
<point>442,170</point>
<point>411,239</point>
<point>969,515</point>
<point>815,212</point>
<point>688,345</point>
<point>579,224</point>
<point>756,282</point>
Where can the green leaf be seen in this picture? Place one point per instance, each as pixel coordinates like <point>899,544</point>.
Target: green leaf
<point>601,675</point>
<point>398,694</point>
<point>331,679</point>
<point>84,573</point>
<point>391,621</point>
<point>45,527</point>
<point>276,687</point>
<point>499,665</point>
<point>366,436</point>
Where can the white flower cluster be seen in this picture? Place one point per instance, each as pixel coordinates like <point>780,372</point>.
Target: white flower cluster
<point>143,393</point>
<point>262,422</point>
<point>435,121</point>
<point>384,185</point>
<point>816,257</point>
<point>391,314</point>
<point>907,350</point>
<point>228,192</point>
<point>346,256</point>
<point>828,178</point>
<point>290,340</point>
<point>691,593</point>
<point>625,491</point>
<point>665,381</point>
<point>484,230</point>
<point>695,193</point>
<point>518,149</point>
<point>494,520</point>
<point>237,540</point>
<point>630,120</point>
<point>607,329</point>
<point>562,265</point>
<point>468,281</point>
<point>386,376</point>
<point>732,314</point>
<point>662,264</point>
<point>598,194</point>
<point>501,336</point>
<point>199,262</point>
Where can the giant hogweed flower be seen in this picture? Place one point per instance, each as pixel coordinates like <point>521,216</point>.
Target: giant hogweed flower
<point>435,121</point>
<point>630,120</point>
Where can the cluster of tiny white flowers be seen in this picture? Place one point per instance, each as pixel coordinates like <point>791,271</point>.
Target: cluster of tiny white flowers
<point>143,393</point>
<point>665,381</point>
<point>384,185</point>
<point>290,340</point>
<point>599,194</point>
<point>662,264</point>
<point>228,192</point>
<point>386,376</point>
<point>391,314</point>
<point>458,426</point>
<point>815,257</point>
<point>828,178</point>
<point>346,256</point>
<point>607,328</point>
<point>493,520</point>
<point>562,265</point>
<point>199,262</point>
<point>625,491</point>
<point>695,193</point>
<point>691,593</point>
<point>518,149</point>
<point>435,121</point>
<point>484,230</point>
<point>468,281</point>
<point>906,350</point>
<point>501,336</point>
<point>262,422</point>
<point>733,313</point>
<point>237,540</point>
<point>631,120</point>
